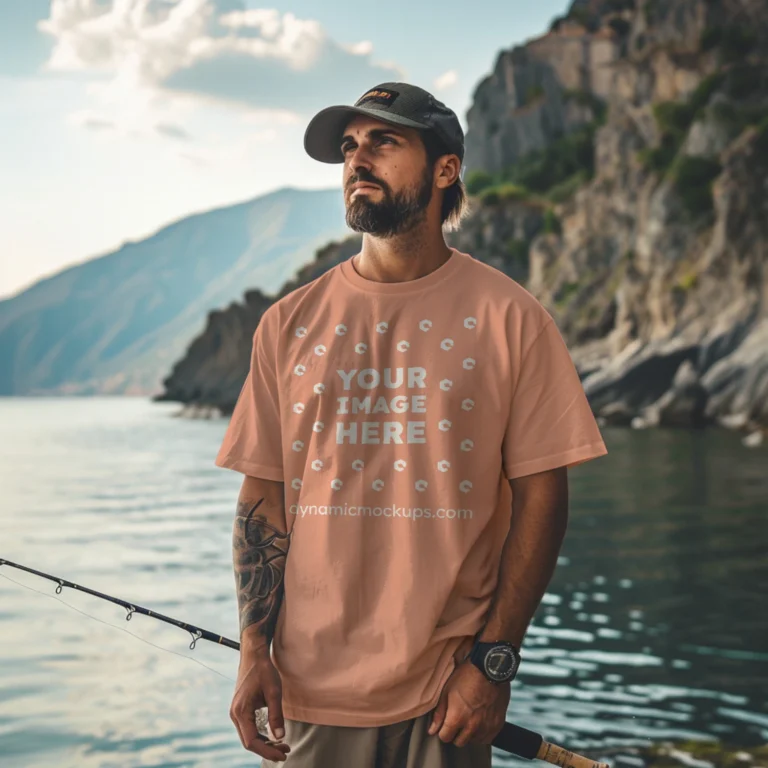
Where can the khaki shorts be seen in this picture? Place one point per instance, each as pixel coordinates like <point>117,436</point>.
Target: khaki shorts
<point>400,745</point>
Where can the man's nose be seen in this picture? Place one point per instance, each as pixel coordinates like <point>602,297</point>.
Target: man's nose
<point>360,158</point>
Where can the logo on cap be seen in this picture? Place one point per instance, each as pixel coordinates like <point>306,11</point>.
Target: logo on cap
<point>378,96</point>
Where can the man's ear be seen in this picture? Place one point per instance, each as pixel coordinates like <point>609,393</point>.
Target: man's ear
<point>447,170</point>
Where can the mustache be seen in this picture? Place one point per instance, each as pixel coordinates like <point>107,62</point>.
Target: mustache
<point>365,178</point>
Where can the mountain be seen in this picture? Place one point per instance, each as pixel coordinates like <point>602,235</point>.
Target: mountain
<point>212,371</point>
<point>114,324</point>
<point>616,166</point>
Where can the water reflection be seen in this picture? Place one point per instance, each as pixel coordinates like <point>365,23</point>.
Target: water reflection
<point>654,626</point>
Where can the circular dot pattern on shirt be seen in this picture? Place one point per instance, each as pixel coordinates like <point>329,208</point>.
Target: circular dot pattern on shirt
<point>444,425</point>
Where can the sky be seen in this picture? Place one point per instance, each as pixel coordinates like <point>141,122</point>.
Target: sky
<point>118,117</point>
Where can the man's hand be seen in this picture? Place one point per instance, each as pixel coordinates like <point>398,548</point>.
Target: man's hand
<point>258,685</point>
<point>471,708</point>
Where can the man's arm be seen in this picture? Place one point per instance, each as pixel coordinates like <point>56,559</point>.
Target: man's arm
<point>259,547</point>
<point>529,556</point>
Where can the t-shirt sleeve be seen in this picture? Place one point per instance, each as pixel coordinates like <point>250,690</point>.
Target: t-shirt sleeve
<point>252,443</point>
<point>551,422</point>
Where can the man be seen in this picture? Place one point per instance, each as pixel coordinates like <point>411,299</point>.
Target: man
<point>405,431</point>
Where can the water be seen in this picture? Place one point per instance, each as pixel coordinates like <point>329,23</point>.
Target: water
<point>655,625</point>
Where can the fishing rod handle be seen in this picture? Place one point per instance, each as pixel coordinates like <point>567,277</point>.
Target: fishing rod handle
<point>551,753</point>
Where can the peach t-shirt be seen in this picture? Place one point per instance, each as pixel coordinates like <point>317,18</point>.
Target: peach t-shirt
<point>395,413</point>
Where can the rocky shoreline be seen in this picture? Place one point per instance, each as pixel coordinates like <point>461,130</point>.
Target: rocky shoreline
<point>688,754</point>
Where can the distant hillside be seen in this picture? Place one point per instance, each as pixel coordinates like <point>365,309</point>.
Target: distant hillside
<point>115,324</point>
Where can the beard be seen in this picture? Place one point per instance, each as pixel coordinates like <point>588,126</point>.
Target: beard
<point>394,214</point>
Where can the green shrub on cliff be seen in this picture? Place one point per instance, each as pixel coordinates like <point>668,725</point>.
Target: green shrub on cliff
<point>566,292</point>
<point>587,18</point>
<point>673,117</point>
<point>534,93</point>
<point>489,196</point>
<point>518,253</point>
<point>733,41</point>
<point>513,192</point>
<point>588,99</point>
<point>541,170</point>
<point>660,158</point>
<point>565,190</point>
<point>701,95</point>
<point>554,172</point>
<point>620,26</point>
<point>551,224</point>
<point>477,181</point>
<point>761,143</point>
<point>498,192</point>
<point>744,79</point>
<point>692,177</point>
<point>674,120</point>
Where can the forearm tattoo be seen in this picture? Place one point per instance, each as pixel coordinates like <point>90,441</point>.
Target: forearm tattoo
<point>259,554</point>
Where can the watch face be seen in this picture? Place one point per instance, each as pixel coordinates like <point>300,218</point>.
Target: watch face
<point>500,663</point>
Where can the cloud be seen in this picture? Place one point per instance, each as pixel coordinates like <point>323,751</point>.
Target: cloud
<point>211,49</point>
<point>97,124</point>
<point>238,153</point>
<point>172,131</point>
<point>446,80</point>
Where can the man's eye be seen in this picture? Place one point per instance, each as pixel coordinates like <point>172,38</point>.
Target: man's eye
<point>348,146</point>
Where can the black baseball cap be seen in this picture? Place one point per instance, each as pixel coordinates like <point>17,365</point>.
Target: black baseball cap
<point>396,103</point>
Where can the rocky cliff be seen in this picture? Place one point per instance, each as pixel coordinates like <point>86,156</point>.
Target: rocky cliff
<point>655,270</point>
<point>617,167</point>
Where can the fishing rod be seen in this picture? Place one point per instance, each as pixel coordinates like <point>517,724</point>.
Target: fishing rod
<point>512,738</point>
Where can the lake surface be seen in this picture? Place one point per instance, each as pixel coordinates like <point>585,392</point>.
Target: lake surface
<point>655,626</point>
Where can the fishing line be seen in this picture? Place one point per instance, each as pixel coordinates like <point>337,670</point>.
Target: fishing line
<point>122,629</point>
<point>512,738</point>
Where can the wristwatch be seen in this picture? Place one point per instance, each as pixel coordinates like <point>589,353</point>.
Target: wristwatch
<point>498,661</point>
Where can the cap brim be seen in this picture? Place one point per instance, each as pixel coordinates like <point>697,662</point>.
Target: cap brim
<point>322,139</point>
